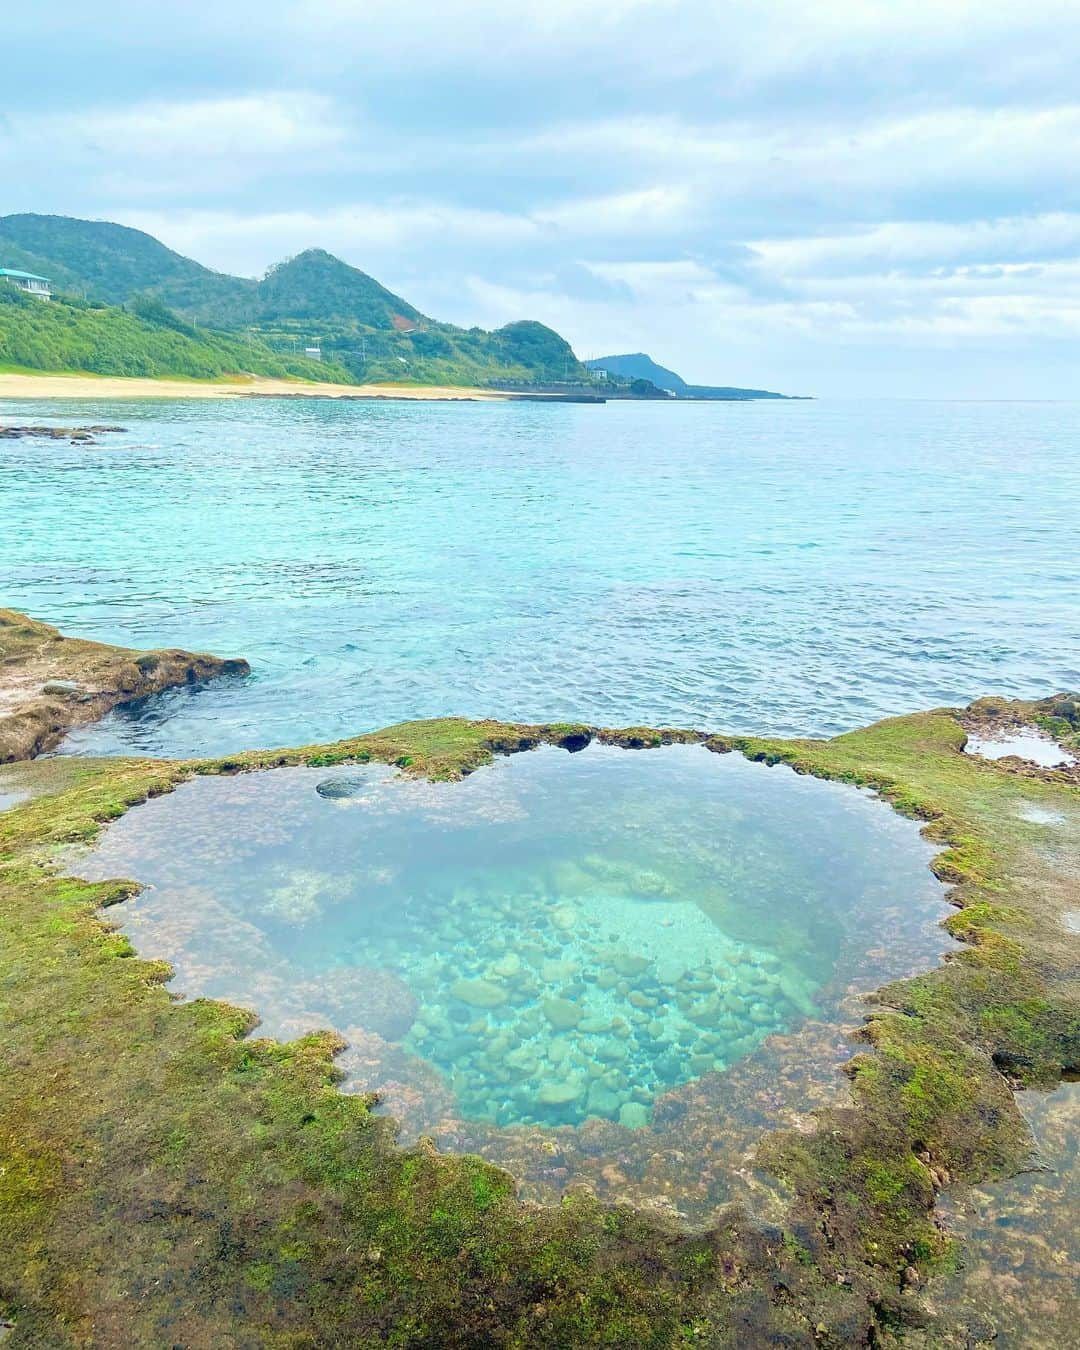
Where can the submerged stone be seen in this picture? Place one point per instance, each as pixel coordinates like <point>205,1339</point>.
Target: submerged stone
<point>343,785</point>
<point>561,1013</point>
<point>507,966</point>
<point>633,1115</point>
<point>626,963</point>
<point>555,972</point>
<point>479,993</point>
<point>377,1000</point>
<point>796,992</point>
<point>559,1094</point>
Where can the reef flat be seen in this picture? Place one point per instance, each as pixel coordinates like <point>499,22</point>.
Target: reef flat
<point>50,683</point>
<point>166,1176</point>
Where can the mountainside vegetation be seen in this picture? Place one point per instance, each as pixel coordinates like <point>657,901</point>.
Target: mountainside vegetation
<point>365,332</point>
<point>111,263</point>
<point>145,339</point>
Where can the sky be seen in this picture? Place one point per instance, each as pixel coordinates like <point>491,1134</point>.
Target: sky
<point>850,197</point>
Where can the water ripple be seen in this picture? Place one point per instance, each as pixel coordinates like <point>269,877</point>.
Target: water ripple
<point>795,569</point>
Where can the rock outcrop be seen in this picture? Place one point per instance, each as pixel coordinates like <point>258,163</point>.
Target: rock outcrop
<point>50,683</point>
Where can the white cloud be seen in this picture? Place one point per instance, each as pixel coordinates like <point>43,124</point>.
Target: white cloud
<point>936,244</point>
<point>277,123</point>
<point>648,212</point>
<point>740,181</point>
<point>950,149</point>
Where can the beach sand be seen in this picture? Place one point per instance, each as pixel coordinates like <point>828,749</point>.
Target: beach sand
<point>117,387</point>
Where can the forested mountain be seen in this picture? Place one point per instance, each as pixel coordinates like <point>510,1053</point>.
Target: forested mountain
<point>112,263</point>
<point>313,299</point>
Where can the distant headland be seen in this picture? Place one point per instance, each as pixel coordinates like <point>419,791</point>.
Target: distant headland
<point>638,366</point>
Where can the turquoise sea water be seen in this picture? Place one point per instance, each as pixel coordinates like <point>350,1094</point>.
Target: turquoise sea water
<point>792,568</point>
<point>558,938</point>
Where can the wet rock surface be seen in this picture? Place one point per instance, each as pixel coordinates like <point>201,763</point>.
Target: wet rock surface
<point>856,1251</point>
<point>1028,738</point>
<point>50,683</point>
<point>1019,1272</point>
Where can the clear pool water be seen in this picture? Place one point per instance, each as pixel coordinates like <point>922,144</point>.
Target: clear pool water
<point>794,568</point>
<point>1026,743</point>
<point>559,938</point>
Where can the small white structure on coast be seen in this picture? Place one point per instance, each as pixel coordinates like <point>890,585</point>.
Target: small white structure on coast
<point>28,282</point>
<point>313,353</point>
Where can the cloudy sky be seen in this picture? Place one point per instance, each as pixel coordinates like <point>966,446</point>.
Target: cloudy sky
<point>851,196</point>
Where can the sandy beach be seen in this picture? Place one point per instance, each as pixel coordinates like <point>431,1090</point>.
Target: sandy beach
<point>117,387</point>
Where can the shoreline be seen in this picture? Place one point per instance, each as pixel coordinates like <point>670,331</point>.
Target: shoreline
<point>46,386</point>
<point>214,1130</point>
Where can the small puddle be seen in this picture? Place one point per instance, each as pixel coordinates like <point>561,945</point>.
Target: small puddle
<point>12,791</point>
<point>9,799</point>
<point>1039,815</point>
<point>616,966</point>
<point>1026,743</point>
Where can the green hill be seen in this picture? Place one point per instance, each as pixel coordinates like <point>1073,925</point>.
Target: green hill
<point>145,339</point>
<point>112,263</point>
<point>316,285</point>
<point>638,366</point>
<point>364,330</point>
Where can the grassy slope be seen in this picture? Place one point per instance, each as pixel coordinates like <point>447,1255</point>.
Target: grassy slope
<point>168,1180</point>
<point>435,353</point>
<point>61,335</point>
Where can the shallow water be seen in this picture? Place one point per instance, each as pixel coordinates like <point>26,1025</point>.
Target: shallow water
<point>787,568</point>
<point>10,796</point>
<point>1018,1283</point>
<point>1040,815</point>
<point>13,789</point>
<point>557,939</point>
<point>1028,743</point>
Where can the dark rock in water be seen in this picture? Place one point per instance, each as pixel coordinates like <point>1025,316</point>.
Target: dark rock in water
<point>364,996</point>
<point>76,435</point>
<point>342,785</point>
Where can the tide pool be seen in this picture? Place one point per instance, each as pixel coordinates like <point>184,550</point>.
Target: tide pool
<point>557,940</point>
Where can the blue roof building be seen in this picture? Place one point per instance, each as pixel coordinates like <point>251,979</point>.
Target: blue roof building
<point>28,281</point>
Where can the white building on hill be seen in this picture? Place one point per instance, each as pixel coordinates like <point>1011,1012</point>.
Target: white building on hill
<point>28,281</point>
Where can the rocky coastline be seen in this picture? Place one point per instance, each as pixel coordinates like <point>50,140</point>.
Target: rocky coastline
<point>162,1147</point>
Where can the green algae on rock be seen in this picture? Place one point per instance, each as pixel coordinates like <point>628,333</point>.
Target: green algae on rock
<point>158,1147</point>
